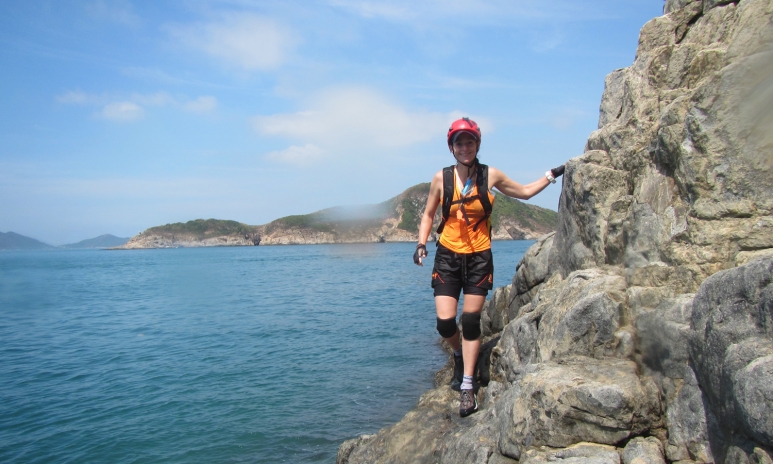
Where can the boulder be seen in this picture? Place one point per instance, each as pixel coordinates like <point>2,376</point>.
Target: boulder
<point>582,399</point>
<point>688,420</point>
<point>581,453</point>
<point>731,346</point>
<point>642,450</point>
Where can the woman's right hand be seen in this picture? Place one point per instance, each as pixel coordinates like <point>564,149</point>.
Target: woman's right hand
<point>419,254</point>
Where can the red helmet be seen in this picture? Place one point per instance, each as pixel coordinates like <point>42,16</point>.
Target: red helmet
<point>463,125</point>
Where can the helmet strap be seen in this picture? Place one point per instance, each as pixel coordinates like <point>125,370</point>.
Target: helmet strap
<point>468,166</point>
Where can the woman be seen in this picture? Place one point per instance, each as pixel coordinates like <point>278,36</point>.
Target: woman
<point>463,261</point>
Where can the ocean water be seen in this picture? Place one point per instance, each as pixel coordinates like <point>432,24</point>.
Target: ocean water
<point>255,354</point>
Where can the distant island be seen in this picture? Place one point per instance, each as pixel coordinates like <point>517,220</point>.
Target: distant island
<point>395,220</point>
<point>14,241</point>
<point>103,241</point>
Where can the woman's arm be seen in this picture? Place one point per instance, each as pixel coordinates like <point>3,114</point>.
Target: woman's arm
<point>433,200</point>
<point>511,188</point>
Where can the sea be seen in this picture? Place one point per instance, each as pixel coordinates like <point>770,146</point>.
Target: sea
<point>214,355</point>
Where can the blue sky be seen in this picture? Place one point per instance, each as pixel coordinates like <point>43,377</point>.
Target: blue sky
<point>118,115</point>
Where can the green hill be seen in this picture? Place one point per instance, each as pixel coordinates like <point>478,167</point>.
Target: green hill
<point>201,229</point>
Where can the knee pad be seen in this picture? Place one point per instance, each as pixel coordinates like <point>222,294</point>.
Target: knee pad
<point>446,327</point>
<point>471,326</point>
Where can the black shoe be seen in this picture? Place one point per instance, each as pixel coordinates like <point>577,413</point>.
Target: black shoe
<point>456,381</point>
<point>468,404</point>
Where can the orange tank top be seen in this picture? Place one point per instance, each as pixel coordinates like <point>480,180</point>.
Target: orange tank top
<point>459,237</point>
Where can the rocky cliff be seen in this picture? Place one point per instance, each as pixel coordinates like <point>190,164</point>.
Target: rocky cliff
<point>395,220</point>
<point>641,331</point>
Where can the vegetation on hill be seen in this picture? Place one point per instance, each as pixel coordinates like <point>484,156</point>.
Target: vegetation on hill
<point>202,228</point>
<point>413,201</point>
<point>528,216</point>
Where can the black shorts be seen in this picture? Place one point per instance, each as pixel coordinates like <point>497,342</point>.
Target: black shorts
<point>454,272</point>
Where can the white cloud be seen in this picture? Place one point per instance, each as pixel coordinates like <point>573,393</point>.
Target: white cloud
<point>203,104</point>
<point>122,111</point>
<point>355,117</point>
<point>246,40</point>
<point>353,123</point>
<point>298,156</point>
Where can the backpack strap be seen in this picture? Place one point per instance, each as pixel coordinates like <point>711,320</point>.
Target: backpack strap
<point>482,184</point>
<point>448,196</point>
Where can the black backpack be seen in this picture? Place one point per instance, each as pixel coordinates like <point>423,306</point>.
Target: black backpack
<point>448,196</point>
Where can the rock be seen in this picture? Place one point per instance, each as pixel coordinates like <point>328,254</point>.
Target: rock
<point>530,273</point>
<point>581,453</point>
<point>346,448</point>
<point>583,318</point>
<point>587,198</point>
<point>576,316</point>
<point>494,315</point>
<point>643,451</point>
<point>412,440</point>
<point>687,420</point>
<point>582,399</point>
<point>662,336</point>
<point>731,346</point>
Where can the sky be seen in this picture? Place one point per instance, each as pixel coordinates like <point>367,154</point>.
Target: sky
<point>117,116</point>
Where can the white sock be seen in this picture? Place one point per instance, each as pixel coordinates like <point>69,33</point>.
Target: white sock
<point>466,382</point>
<point>458,352</point>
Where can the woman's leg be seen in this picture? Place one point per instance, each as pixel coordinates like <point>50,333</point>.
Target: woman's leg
<point>446,307</point>
<point>471,348</point>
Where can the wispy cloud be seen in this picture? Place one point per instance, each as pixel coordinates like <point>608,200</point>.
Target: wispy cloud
<point>78,97</point>
<point>117,11</point>
<point>245,40</point>
<point>133,107</point>
<point>474,11</point>
<point>299,156</point>
<point>203,104</point>
<point>122,111</point>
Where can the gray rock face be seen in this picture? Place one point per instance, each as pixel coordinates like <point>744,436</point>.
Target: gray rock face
<point>731,345</point>
<point>643,451</point>
<point>581,453</point>
<point>663,334</point>
<point>687,420</point>
<point>581,399</point>
<point>642,330</point>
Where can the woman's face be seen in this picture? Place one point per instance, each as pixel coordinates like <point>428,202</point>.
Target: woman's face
<point>465,148</point>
